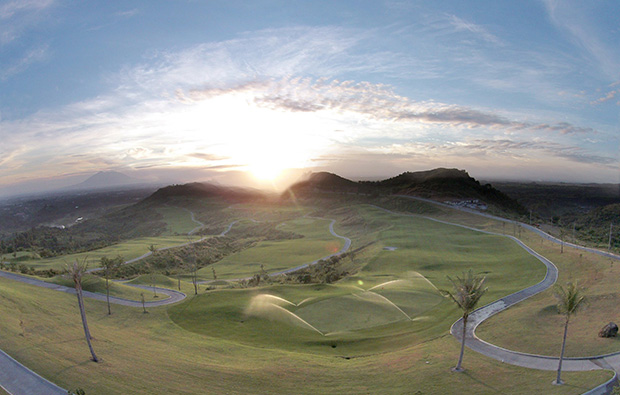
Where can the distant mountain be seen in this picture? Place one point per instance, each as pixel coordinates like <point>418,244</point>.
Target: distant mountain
<point>439,184</point>
<point>105,180</point>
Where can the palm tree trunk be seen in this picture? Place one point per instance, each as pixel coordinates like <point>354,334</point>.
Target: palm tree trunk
<point>107,294</point>
<point>458,367</point>
<point>558,380</point>
<point>85,324</point>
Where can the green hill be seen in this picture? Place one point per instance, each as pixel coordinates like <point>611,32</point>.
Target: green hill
<point>439,184</point>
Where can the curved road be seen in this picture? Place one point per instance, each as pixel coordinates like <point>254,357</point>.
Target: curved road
<point>21,380</point>
<point>16,379</point>
<point>541,362</point>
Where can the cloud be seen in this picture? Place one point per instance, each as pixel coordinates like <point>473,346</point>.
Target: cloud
<point>461,25</point>
<point>506,148</point>
<point>34,55</point>
<point>128,13</point>
<point>19,16</point>
<point>609,96</point>
<point>571,17</point>
<point>276,94</point>
<point>380,102</point>
<point>10,9</point>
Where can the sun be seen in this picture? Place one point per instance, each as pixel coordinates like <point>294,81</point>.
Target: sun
<point>265,171</point>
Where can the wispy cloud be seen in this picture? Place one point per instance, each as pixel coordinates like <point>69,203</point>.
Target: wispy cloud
<point>215,106</point>
<point>12,8</point>
<point>18,16</point>
<point>462,25</point>
<point>128,13</point>
<point>571,17</point>
<point>34,55</point>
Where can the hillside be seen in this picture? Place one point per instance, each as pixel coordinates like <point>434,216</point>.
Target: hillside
<point>204,190</point>
<point>439,184</point>
<point>327,183</point>
<point>593,226</point>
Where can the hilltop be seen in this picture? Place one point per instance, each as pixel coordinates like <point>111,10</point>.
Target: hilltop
<point>451,185</point>
<point>205,190</point>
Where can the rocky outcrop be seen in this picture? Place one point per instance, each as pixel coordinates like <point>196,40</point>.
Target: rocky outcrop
<point>609,330</point>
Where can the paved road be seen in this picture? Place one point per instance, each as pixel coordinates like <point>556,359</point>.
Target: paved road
<point>541,362</point>
<point>21,380</point>
<point>16,379</point>
<point>345,247</point>
<point>534,229</point>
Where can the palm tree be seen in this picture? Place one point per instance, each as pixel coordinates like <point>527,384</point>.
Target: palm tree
<point>76,271</point>
<point>152,249</point>
<point>109,266</point>
<point>467,293</point>
<point>569,301</point>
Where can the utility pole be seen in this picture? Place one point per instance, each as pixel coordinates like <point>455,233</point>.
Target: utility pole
<point>530,217</point>
<point>611,226</point>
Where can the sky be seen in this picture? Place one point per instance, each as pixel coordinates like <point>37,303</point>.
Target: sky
<point>258,92</point>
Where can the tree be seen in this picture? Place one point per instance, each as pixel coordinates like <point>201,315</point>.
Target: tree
<point>76,271</point>
<point>110,266</point>
<point>143,303</point>
<point>193,267</point>
<point>152,249</point>
<point>467,293</point>
<point>570,299</point>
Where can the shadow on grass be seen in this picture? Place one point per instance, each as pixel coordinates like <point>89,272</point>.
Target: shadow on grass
<point>468,374</point>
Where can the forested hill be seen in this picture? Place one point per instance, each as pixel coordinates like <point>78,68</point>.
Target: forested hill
<point>204,190</point>
<point>439,184</point>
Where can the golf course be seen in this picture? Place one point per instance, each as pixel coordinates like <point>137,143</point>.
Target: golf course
<point>369,318</point>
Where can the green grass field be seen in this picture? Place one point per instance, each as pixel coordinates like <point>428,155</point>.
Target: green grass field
<point>383,330</point>
<point>128,250</point>
<point>280,254</point>
<point>178,221</point>
<point>533,325</point>
<point>149,353</point>
<point>96,284</point>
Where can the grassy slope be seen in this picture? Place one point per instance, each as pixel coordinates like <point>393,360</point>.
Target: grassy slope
<point>178,220</point>
<point>97,284</point>
<point>537,320</point>
<point>533,325</point>
<point>136,348</point>
<point>128,250</point>
<point>281,254</point>
<point>216,355</point>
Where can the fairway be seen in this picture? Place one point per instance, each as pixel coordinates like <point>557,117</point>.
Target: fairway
<point>178,221</point>
<point>278,255</point>
<point>397,291</point>
<point>128,250</point>
<point>388,321</point>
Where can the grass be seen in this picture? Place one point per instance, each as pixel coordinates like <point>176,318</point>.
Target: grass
<point>96,284</point>
<point>533,326</point>
<point>20,256</point>
<point>178,221</point>
<point>597,275</point>
<point>279,255</point>
<point>149,353</point>
<point>128,250</point>
<point>209,343</point>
